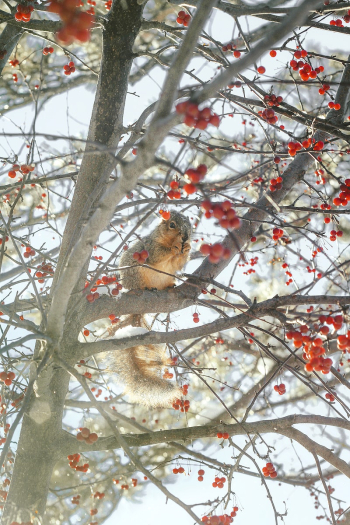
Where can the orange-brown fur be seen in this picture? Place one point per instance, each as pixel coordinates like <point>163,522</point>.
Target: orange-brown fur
<point>141,367</point>
<point>168,250</point>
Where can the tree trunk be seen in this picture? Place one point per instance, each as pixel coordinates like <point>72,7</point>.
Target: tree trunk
<point>41,433</point>
<point>38,448</point>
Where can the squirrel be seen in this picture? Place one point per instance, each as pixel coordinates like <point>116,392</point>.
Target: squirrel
<point>141,367</point>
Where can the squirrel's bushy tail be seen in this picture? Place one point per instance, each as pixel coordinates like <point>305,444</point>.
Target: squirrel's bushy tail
<point>141,368</point>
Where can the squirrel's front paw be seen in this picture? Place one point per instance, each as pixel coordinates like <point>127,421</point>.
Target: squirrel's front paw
<point>176,248</point>
<point>186,247</point>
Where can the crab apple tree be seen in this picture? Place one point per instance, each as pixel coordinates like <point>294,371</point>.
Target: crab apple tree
<point>115,114</point>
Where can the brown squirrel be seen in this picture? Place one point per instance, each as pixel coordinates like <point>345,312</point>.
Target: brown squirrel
<point>141,367</point>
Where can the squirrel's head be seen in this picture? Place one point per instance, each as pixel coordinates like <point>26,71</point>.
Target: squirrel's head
<point>177,226</point>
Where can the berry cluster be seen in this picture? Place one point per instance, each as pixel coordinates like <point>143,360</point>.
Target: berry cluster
<point>23,12</point>
<point>174,193</point>
<point>106,279</point>
<point>73,463</point>
<point>48,50</point>
<point>24,169</point>
<point>108,5</point>
<point>293,147</point>
<point>276,184</point>
<point>336,321</point>
<point>236,84</point>
<point>281,389</point>
<point>165,214</point>
<point>223,435</point>
<point>75,499</point>
<point>305,70</point>
<point>15,77</point>
<point>201,473</point>
<point>92,296</point>
<point>182,405</point>
<point>76,23</point>
<point>333,105</point>
<point>14,62</point>
<point>272,100</point>
<point>222,211</point>
<point>215,252</point>
<point>277,234</point>
<point>195,175</point>
<point>269,471</point>
<point>330,397</point>
<point>183,18</point>
<point>219,482</point>
<point>167,374</point>
<point>324,88</point>
<point>313,354</point>
<point>29,252</point>
<point>7,377</point>
<point>223,519</point>
<point>269,115</point>
<point>195,117</point>
<point>285,265</point>
<point>179,470</point>
<point>134,483</point>
<point>113,318</point>
<point>99,392</point>
<point>344,195</point>
<point>333,234</point>
<point>343,342</point>
<point>196,317</point>
<point>318,146</point>
<point>339,22</point>
<point>91,10</point>
<point>69,68</point>
<point>44,269</point>
<point>229,47</point>
<point>313,349</point>
<point>140,257</point>
<point>117,289</point>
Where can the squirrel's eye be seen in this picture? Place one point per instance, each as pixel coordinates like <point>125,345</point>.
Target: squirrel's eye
<point>172,225</point>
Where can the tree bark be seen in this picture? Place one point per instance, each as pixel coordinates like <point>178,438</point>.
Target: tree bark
<point>39,447</point>
<point>106,124</point>
<point>41,435</point>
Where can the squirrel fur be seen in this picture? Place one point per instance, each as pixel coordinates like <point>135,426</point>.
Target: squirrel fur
<point>141,367</point>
